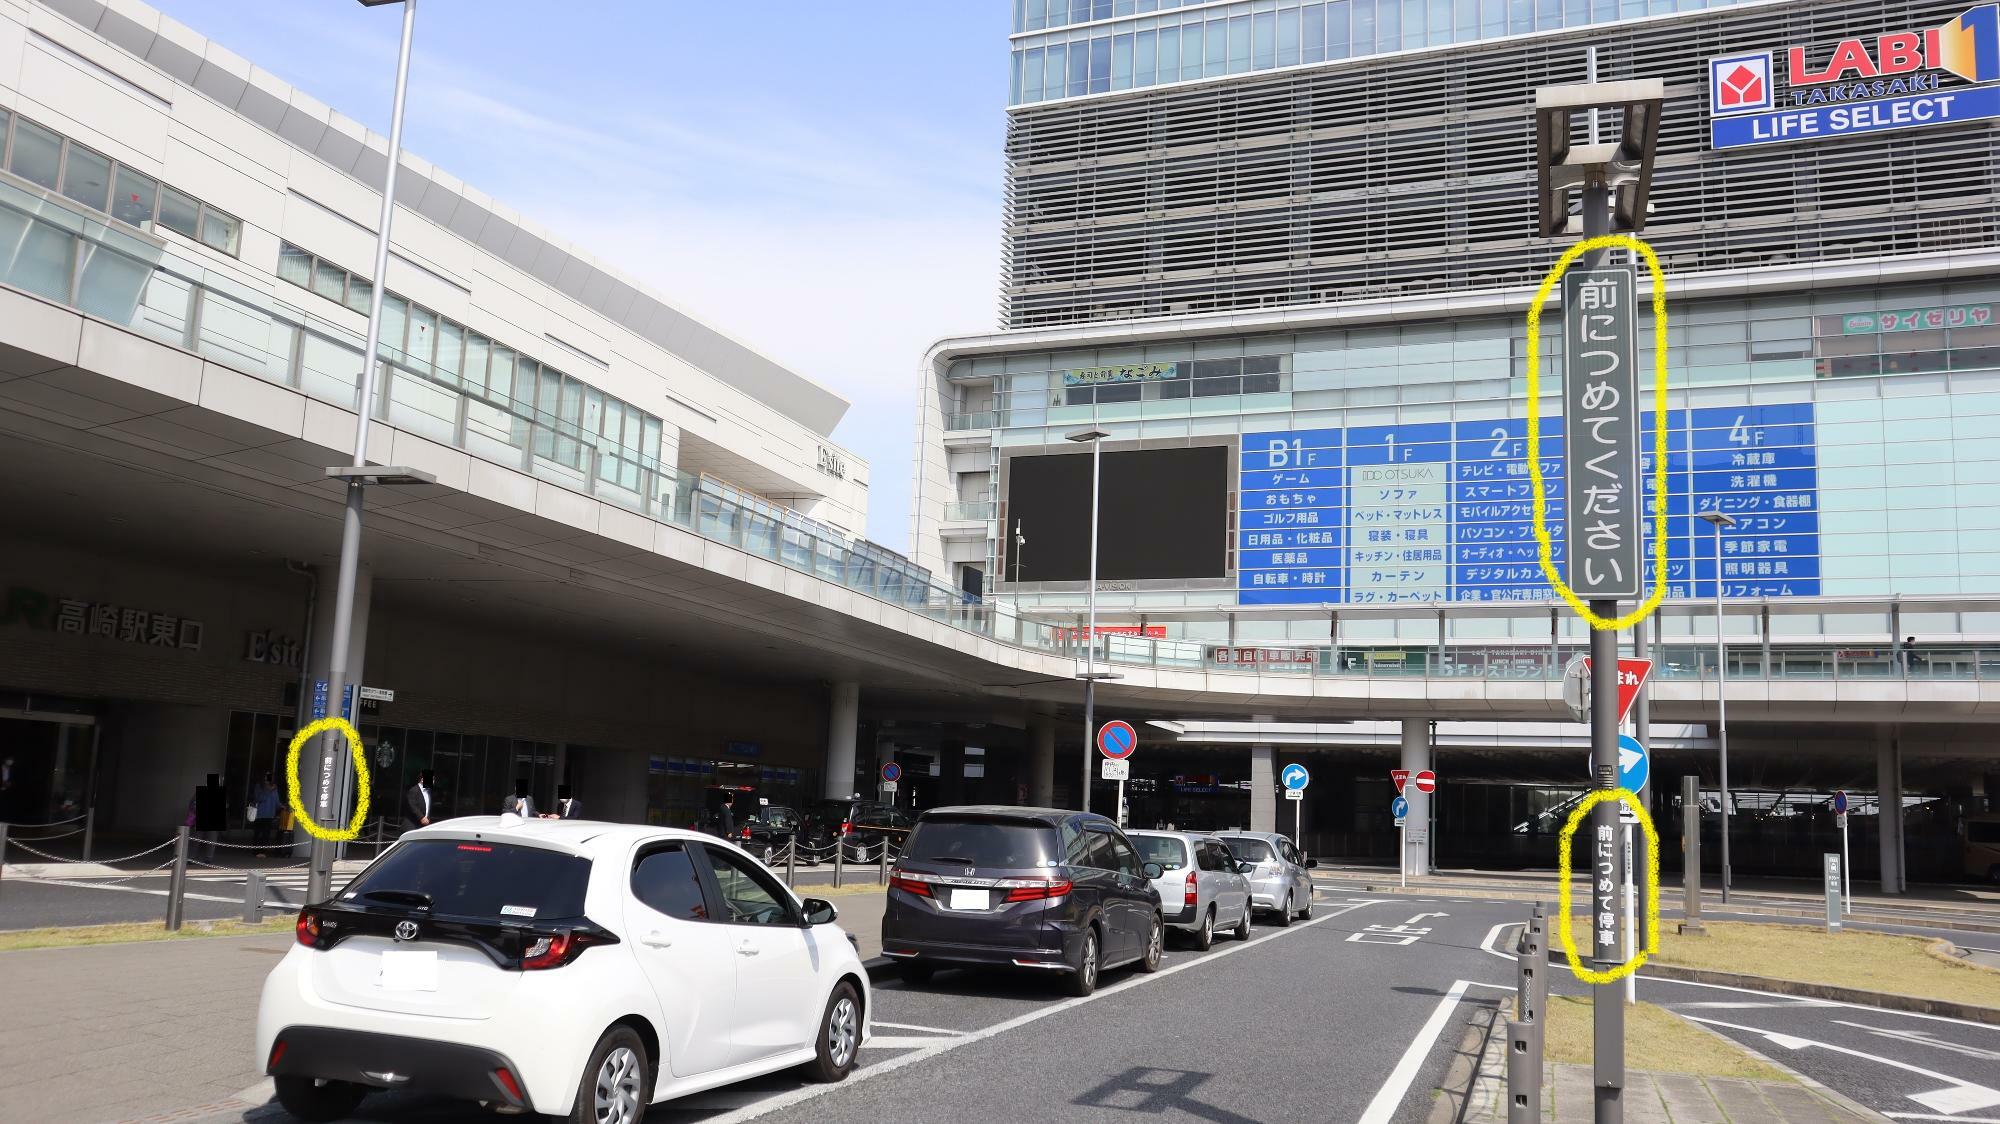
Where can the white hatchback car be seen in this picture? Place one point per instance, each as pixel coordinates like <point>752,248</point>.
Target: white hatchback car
<point>579,969</point>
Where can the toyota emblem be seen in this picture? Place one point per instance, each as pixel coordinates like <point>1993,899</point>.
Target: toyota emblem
<point>406,930</point>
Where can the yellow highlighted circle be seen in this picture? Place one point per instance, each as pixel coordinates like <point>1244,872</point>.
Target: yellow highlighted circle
<point>1546,548</point>
<point>299,813</point>
<point>1651,890</point>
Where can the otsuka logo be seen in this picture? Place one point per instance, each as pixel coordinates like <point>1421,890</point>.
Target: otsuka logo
<point>1968,46</point>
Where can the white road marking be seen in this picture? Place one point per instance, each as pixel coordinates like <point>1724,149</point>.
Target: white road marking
<point>1390,1096</point>
<point>1957,1096</point>
<point>1493,934</point>
<point>808,1092</point>
<point>899,1042</point>
<point>913,1026</point>
<point>1924,1038</point>
<point>1421,916</point>
<point>190,896</point>
<point>1828,1002</point>
<point>1935,1116</point>
<point>1750,1005</point>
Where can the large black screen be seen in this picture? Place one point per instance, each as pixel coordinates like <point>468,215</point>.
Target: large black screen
<point>1164,514</point>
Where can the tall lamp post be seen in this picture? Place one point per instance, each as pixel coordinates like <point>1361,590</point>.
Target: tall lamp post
<point>335,761</point>
<point>1721,522</point>
<point>1095,436</point>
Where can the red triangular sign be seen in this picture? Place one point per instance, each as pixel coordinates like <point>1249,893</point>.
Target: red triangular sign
<point>1401,777</point>
<point>1632,675</point>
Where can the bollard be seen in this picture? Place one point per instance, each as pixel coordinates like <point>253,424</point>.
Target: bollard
<point>839,857</point>
<point>177,884</point>
<point>3,848</point>
<point>1691,925</point>
<point>253,897</point>
<point>1524,1072</point>
<point>882,865</point>
<point>89,830</point>
<point>792,861</point>
<point>1538,943</point>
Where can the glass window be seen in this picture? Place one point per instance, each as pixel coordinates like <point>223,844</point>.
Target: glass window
<point>1145,58</point>
<point>1264,41</point>
<point>395,321</point>
<point>749,895</point>
<point>1079,69</point>
<point>37,154</point>
<point>135,197</point>
<point>1288,37</point>
<point>87,177</point>
<point>1336,29</point>
<point>423,334</point>
<point>1169,852</point>
<point>1249,850</point>
<point>1098,851</point>
<point>329,281</point>
<point>1100,64</point>
<point>220,231</point>
<point>983,842</point>
<point>1239,44</point>
<point>35,256</point>
<point>666,880</point>
<point>295,266</point>
<point>179,211</point>
<point>1215,47</point>
<point>479,879</point>
<point>477,349</point>
<point>1126,857</point>
<point>450,348</point>
<point>1121,62</point>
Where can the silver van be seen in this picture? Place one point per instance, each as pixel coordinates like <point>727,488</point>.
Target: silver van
<point>1201,886</point>
<point>1278,879</point>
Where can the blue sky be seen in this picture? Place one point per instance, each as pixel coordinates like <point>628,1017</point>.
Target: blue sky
<point>819,179</point>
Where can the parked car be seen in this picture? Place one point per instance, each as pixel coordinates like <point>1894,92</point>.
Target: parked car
<point>1039,888</point>
<point>1200,886</point>
<point>859,826</point>
<point>578,969</point>
<point>1278,879</point>
<point>766,833</point>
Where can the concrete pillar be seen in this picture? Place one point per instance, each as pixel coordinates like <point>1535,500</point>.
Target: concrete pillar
<point>1417,758</point>
<point>842,723</point>
<point>1263,788</point>
<point>1042,763</point>
<point>1889,787</point>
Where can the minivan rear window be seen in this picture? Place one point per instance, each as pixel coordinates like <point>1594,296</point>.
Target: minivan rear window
<point>1169,852</point>
<point>478,878</point>
<point>1250,850</point>
<point>982,842</point>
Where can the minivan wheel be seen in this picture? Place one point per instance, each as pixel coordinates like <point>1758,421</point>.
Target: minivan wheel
<point>1082,978</point>
<point>1204,937</point>
<point>1242,929</point>
<point>1285,911</point>
<point>314,1100</point>
<point>839,1036</point>
<point>1156,946</point>
<point>617,1082</point>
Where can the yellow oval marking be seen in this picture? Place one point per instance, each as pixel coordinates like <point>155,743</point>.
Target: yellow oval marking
<point>299,813</point>
<point>1651,891</point>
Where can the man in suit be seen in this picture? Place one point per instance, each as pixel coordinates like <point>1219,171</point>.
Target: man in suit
<point>567,807</point>
<point>417,801</point>
<point>725,816</point>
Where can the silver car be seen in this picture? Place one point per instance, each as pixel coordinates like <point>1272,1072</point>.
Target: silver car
<point>1278,879</point>
<point>1201,888</point>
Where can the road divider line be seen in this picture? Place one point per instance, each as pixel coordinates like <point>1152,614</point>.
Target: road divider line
<point>913,1026</point>
<point>808,1092</point>
<point>1824,1002</point>
<point>1390,1096</point>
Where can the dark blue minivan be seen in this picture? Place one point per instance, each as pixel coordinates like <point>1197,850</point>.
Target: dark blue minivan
<point>1041,888</point>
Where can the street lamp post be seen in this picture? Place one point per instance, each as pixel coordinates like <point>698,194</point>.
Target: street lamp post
<point>334,758</point>
<point>1095,436</point>
<point>1721,522</point>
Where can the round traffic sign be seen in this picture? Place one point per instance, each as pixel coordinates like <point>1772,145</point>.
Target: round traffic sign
<point>1117,740</point>
<point>1399,807</point>
<point>891,772</point>
<point>1425,781</point>
<point>1295,777</point>
<point>1840,802</point>
<point>1634,765</point>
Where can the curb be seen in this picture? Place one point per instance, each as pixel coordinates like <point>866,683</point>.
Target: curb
<point>1890,1001</point>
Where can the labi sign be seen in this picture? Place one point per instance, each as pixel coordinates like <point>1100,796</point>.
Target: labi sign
<point>1896,80</point>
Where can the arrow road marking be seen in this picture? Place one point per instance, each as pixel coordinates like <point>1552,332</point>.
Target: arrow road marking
<point>1421,916</point>
<point>1957,1096</point>
<point>1924,1038</point>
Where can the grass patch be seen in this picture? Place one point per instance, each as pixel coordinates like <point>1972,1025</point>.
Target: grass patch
<point>127,931</point>
<point>1852,958</point>
<point>1656,1040</point>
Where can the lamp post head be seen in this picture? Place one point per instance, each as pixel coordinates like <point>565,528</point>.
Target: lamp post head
<point>1088,433</point>
<point>378,3</point>
<point>1720,520</point>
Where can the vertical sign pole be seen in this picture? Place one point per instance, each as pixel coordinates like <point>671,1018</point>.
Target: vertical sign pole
<point>1846,871</point>
<point>1402,857</point>
<point>1121,802</point>
<point>1090,632</point>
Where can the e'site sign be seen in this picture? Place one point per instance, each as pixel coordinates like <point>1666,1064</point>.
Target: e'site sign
<point>1896,80</point>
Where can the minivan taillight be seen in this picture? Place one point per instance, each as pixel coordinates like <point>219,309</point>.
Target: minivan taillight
<point>307,928</point>
<point>918,884</point>
<point>1033,890</point>
<point>1187,899</point>
<point>554,951</point>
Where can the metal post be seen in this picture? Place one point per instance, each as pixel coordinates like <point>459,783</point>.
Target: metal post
<point>1090,630</point>
<point>792,861</point>
<point>882,864</point>
<point>1403,855</point>
<point>89,831</point>
<point>177,884</point>
<point>253,898</point>
<point>1846,870</point>
<point>1691,858</point>
<point>1607,1004</point>
<point>1524,1072</point>
<point>334,762</point>
<point>1722,709</point>
<point>3,849</point>
<point>839,854</point>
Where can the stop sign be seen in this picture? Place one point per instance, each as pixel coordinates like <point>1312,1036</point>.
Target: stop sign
<point>1426,781</point>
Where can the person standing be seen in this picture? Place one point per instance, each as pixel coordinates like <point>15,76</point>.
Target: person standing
<point>520,803</point>
<point>417,801</point>
<point>263,812</point>
<point>725,816</point>
<point>567,807</point>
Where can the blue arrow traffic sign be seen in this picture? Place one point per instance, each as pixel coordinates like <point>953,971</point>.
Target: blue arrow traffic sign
<point>1399,807</point>
<point>1633,764</point>
<point>1295,777</point>
<point>1117,740</point>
